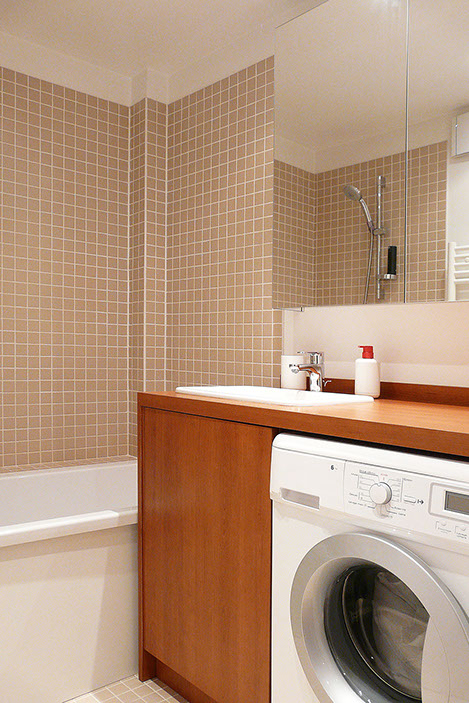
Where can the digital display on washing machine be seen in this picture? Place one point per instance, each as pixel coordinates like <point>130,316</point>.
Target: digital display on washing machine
<point>457,502</point>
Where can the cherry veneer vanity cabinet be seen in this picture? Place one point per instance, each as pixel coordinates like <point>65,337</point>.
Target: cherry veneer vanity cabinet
<point>205,556</point>
<point>204,527</point>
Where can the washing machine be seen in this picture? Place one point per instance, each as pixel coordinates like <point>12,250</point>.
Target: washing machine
<point>370,594</point>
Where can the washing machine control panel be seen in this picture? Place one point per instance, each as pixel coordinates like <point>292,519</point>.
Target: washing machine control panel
<point>407,500</point>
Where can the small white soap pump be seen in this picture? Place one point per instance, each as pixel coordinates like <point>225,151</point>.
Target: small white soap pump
<point>367,374</point>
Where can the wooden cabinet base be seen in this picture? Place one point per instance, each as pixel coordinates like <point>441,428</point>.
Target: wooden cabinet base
<point>180,685</point>
<point>147,665</point>
<point>205,549</point>
<point>151,668</point>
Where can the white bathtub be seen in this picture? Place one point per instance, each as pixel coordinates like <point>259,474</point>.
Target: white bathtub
<point>68,581</point>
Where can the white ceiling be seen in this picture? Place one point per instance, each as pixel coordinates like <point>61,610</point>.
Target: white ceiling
<point>130,36</point>
<point>340,74</point>
<point>340,77</point>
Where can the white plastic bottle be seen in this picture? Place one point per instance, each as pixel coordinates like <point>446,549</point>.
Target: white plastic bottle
<point>367,374</point>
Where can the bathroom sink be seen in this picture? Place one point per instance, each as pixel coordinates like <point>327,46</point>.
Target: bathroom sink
<point>275,396</point>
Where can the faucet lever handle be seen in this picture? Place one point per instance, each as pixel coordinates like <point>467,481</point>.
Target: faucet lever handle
<point>315,357</point>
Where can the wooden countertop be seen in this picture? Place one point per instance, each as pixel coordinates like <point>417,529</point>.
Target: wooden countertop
<point>433,428</point>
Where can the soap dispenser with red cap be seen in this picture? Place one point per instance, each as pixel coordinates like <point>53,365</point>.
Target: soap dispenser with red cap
<point>367,374</point>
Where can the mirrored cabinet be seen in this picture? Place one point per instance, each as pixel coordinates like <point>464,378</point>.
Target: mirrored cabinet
<point>371,172</point>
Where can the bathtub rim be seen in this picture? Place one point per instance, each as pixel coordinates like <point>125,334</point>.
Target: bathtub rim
<point>66,526</point>
<point>73,524</point>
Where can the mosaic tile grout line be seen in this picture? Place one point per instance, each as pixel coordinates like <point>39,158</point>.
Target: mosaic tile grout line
<point>131,690</point>
<point>64,194</point>
<point>132,236</point>
<point>314,218</point>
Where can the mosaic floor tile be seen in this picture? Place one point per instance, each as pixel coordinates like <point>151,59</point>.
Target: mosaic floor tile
<point>131,690</point>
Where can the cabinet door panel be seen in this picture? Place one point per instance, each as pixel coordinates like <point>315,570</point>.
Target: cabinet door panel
<point>206,552</point>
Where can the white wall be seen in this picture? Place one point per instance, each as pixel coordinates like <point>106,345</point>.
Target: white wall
<point>415,343</point>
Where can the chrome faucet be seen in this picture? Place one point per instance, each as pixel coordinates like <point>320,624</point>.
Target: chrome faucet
<point>314,370</point>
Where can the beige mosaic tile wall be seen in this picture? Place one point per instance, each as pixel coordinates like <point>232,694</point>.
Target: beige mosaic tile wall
<point>137,231</point>
<point>82,293</point>
<point>155,246</point>
<point>146,253</point>
<point>343,235</point>
<point>294,236</point>
<point>83,257</point>
<point>341,240</point>
<point>221,327</point>
<point>63,307</point>
<point>426,240</point>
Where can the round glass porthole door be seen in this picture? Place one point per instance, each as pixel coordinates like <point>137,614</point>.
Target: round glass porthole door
<point>375,626</point>
<point>372,623</point>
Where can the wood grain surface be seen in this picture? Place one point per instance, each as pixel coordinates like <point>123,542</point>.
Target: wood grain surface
<point>205,532</point>
<point>414,392</point>
<point>205,554</point>
<point>427,427</point>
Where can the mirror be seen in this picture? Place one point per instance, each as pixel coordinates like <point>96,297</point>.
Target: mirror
<point>371,172</point>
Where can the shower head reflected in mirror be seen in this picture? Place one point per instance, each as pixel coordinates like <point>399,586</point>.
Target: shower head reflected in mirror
<point>353,193</point>
<point>376,233</point>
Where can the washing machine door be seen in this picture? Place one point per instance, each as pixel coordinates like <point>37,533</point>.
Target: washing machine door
<point>371,622</point>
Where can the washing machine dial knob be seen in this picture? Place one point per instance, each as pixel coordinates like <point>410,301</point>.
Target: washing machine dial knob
<point>380,493</point>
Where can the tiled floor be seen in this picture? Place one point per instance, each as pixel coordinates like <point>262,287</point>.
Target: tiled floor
<point>131,690</point>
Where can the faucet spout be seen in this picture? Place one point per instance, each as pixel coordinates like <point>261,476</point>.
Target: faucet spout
<point>314,370</point>
<point>315,375</point>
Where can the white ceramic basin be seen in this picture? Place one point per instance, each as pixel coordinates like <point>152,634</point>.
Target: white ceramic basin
<point>275,396</point>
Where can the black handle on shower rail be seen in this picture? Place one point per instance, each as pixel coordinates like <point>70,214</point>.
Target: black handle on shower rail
<point>392,261</point>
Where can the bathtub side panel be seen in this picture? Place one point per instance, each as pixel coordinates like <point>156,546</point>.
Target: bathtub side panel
<point>68,615</point>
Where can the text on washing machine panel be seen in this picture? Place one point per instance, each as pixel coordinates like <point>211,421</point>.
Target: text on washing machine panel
<point>407,500</point>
